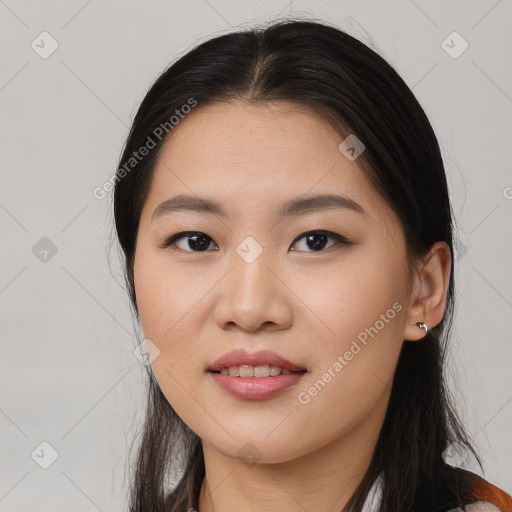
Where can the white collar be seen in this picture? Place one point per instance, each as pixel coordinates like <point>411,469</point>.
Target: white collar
<point>374,496</point>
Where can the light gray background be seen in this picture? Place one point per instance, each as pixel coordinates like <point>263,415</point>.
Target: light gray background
<point>69,376</point>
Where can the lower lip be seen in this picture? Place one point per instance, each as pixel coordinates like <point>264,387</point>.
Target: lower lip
<point>256,388</point>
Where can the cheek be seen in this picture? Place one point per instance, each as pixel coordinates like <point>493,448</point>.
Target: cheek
<point>166,296</point>
<point>358,344</point>
<point>169,304</point>
<point>351,298</point>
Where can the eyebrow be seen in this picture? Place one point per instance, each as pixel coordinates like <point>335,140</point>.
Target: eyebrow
<point>293,207</point>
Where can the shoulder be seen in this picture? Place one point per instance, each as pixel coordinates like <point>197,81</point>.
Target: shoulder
<point>486,497</point>
<point>460,490</point>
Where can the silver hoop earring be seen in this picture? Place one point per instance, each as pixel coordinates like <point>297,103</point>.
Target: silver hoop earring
<point>423,325</point>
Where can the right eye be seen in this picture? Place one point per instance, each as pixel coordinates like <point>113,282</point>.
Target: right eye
<point>194,241</point>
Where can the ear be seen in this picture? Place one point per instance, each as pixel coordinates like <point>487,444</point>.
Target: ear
<point>427,302</point>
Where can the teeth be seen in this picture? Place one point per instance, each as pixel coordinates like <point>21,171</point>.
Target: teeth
<point>245,370</point>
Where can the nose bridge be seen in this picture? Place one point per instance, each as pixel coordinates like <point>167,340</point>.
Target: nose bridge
<point>251,274</point>
<point>250,296</point>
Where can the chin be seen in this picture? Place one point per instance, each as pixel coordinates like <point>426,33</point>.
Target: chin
<point>251,451</point>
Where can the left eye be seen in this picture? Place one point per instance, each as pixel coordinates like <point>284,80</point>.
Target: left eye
<point>197,241</point>
<point>200,242</point>
<point>317,240</point>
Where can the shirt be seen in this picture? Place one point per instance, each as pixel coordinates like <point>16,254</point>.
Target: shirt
<point>474,494</point>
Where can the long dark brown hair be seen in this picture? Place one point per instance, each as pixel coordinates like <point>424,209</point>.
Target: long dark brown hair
<point>314,64</point>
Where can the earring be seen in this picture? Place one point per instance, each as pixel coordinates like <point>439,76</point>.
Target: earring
<point>423,325</point>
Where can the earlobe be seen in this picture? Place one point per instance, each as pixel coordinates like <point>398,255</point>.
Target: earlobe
<point>428,299</point>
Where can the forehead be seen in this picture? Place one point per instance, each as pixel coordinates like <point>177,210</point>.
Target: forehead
<point>253,157</point>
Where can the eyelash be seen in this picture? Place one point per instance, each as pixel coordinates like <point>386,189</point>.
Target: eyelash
<point>174,238</point>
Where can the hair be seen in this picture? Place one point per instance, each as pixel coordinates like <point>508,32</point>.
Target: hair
<point>314,65</point>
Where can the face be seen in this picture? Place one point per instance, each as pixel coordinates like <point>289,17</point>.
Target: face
<point>322,285</point>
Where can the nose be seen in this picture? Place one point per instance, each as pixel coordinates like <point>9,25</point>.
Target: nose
<point>253,296</point>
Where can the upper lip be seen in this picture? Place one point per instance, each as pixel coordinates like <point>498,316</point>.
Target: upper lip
<point>260,358</point>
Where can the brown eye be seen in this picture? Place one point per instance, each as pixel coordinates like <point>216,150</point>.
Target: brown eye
<point>193,241</point>
<point>317,240</point>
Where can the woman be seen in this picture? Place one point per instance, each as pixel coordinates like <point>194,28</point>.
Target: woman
<point>282,206</point>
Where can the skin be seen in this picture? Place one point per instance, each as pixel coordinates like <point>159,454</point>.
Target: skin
<point>306,305</point>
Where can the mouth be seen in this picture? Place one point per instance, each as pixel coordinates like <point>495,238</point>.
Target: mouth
<point>255,376</point>
<point>261,371</point>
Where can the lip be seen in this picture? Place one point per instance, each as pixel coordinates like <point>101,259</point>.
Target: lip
<point>256,388</point>
<point>260,358</point>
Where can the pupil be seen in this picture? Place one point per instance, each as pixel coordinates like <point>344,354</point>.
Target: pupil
<point>318,239</point>
<point>193,244</point>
